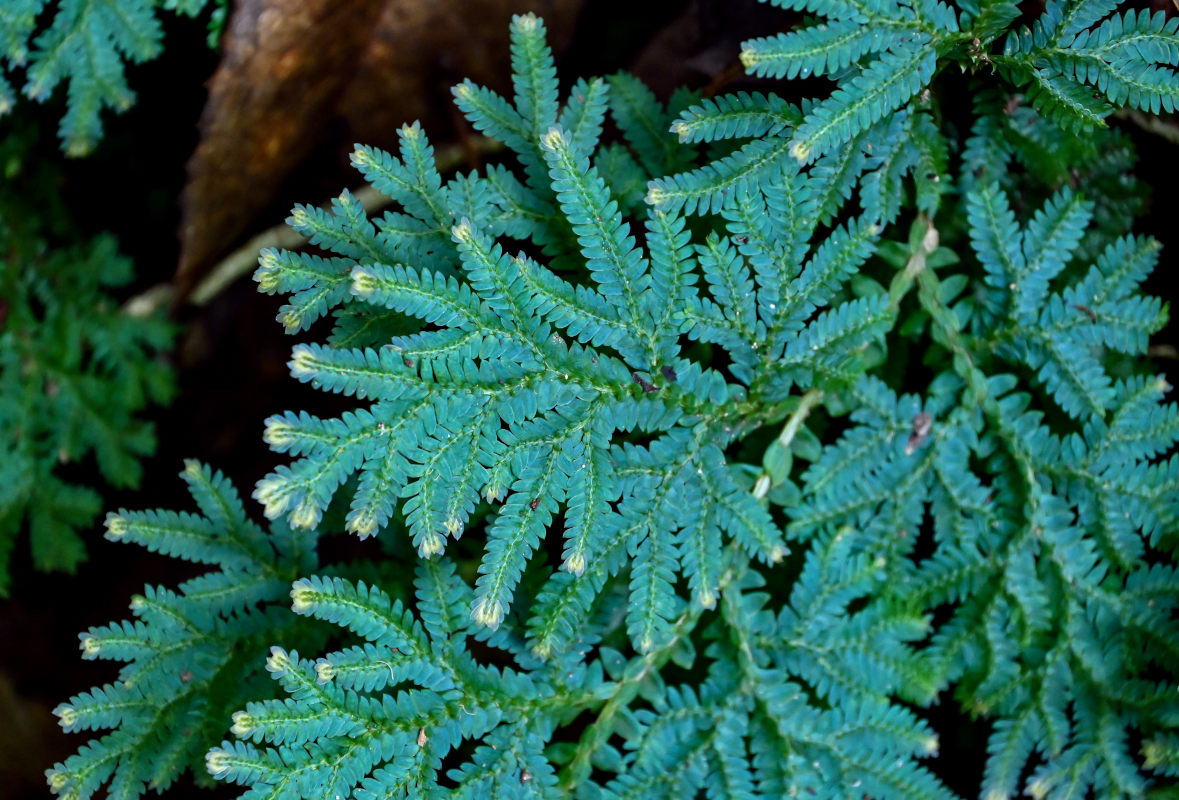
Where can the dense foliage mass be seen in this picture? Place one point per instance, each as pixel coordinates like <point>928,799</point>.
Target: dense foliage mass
<point>712,477</point>
<point>76,372</point>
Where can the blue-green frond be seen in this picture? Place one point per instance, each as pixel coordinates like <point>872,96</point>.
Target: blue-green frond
<point>735,116</point>
<point>221,534</point>
<point>579,311</point>
<point>834,176</point>
<point>217,499</point>
<point>1009,747</point>
<point>451,469</point>
<point>1079,73</point>
<point>19,21</point>
<point>1142,34</point>
<point>653,601</point>
<point>534,76</point>
<point>910,144</point>
<point>371,668</point>
<point>585,112</point>
<point>588,407</point>
<point>316,284</point>
<point>512,767</point>
<point>893,155</point>
<point>995,236</point>
<point>243,764</point>
<point>1067,19</point>
<point>1072,104</point>
<point>704,190</point>
<point>883,87</point>
<point>565,602</point>
<point>827,342</point>
<point>645,125</point>
<point>345,230</point>
<point>591,490</point>
<point>612,258</point>
<point>493,116</point>
<point>183,672</point>
<point>496,118</point>
<point>366,611</point>
<point>672,271</point>
<point>838,257</point>
<point>302,491</point>
<point>286,722</point>
<point>103,707</point>
<point>1139,427</point>
<point>729,283</point>
<point>930,154</point>
<point>746,520</point>
<point>183,535</point>
<point>429,296</point>
<point>512,537</point>
<point>1075,378</point>
<point>365,373</point>
<point>1131,76</point>
<point>816,50</point>
<point>442,598</point>
<point>937,15</point>
<point>756,220</point>
<point>1119,270</point>
<point>413,180</point>
<point>699,540</point>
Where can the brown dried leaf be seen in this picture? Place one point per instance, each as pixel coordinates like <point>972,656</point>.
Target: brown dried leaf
<point>285,63</point>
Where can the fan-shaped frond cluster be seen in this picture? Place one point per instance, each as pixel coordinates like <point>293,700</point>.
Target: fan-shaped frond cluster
<point>1076,64</point>
<point>554,392</point>
<point>191,655</point>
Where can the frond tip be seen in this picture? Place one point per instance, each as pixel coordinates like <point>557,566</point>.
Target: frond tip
<point>302,597</point>
<point>488,613</point>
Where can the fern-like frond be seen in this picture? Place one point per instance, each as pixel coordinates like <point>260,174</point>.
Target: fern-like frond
<point>738,116</point>
<point>184,669</point>
<point>818,50</point>
<point>644,123</point>
<point>744,479</point>
<point>883,87</point>
<point>703,190</point>
<point>84,45</point>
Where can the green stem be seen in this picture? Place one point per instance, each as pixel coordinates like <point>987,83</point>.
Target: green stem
<point>809,400</point>
<point>626,689</point>
<point>914,267</point>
